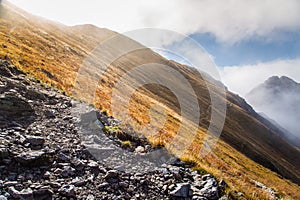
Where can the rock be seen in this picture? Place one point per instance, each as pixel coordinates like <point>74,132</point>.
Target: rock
<point>43,194</point>
<point>50,113</point>
<point>111,174</point>
<point>78,182</point>
<point>69,117</point>
<point>207,187</point>
<point>13,107</point>
<point>63,157</point>
<point>210,193</point>
<point>206,177</point>
<point>55,184</point>
<point>24,194</point>
<point>92,164</point>
<point>103,185</point>
<point>171,187</point>
<point>5,70</point>
<point>4,154</point>
<point>269,190</point>
<point>10,183</point>
<point>47,175</point>
<point>8,70</point>
<point>139,149</point>
<point>210,183</point>
<point>181,190</point>
<point>29,194</point>
<point>77,163</point>
<point>68,191</point>
<point>199,198</point>
<point>222,184</point>
<point>90,197</point>
<point>67,171</point>
<point>2,197</point>
<point>33,95</point>
<point>102,170</point>
<point>177,162</point>
<point>58,171</point>
<point>35,140</point>
<point>222,187</point>
<point>123,185</point>
<point>33,158</point>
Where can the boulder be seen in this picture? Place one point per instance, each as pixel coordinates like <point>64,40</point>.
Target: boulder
<point>33,158</point>
<point>139,150</point>
<point>35,140</point>
<point>182,190</point>
<point>29,194</point>
<point>111,174</point>
<point>4,154</point>
<point>13,107</point>
<point>68,191</point>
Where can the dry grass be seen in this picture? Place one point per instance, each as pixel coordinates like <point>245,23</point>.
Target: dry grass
<point>53,54</point>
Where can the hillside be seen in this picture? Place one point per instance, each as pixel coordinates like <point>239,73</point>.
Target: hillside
<point>42,158</point>
<point>53,54</point>
<point>278,98</point>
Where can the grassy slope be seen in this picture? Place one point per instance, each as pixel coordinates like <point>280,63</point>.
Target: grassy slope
<point>53,53</point>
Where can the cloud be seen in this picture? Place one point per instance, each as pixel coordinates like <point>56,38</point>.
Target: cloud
<point>230,21</point>
<point>278,98</point>
<point>241,79</point>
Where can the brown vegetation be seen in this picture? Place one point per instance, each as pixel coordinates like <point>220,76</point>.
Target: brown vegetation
<point>53,54</point>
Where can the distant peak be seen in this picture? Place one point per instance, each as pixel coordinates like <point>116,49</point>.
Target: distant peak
<point>285,78</point>
<point>272,79</point>
<point>282,81</point>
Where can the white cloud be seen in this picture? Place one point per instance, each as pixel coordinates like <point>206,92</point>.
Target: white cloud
<point>229,21</point>
<point>241,79</point>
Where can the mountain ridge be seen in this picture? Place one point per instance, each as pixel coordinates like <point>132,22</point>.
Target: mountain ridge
<point>62,61</point>
<point>278,98</point>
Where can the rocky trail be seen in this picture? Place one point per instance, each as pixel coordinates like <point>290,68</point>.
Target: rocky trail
<point>44,155</point>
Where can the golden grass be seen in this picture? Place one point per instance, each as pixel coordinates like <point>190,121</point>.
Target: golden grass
<point>54,57</point>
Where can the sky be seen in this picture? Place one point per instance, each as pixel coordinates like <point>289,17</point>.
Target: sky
<point>249,41</point>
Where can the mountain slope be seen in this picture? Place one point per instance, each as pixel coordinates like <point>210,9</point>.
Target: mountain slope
<point>53,53</point>
<point>279,99</point>
<point>42,156</point>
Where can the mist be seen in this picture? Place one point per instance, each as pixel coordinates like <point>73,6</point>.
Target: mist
<point>279,99</point>
<point>243,78</point>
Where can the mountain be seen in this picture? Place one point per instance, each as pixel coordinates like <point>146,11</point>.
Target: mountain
<point>38,162</point>
<point>279,98</point>
<point>248,150</point>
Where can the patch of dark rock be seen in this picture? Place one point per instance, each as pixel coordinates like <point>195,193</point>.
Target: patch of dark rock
<point>34,158</point>
<point>13,108</point>
<point>29,194</point>
<point>8,70</point>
